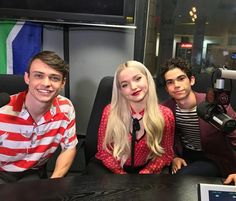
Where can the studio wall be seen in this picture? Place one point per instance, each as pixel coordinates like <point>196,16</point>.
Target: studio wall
<point>94,52</point>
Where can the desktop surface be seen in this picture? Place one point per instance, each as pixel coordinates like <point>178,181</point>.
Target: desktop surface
<point>108,187</point>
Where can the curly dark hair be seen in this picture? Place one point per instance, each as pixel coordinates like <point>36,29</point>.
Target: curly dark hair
<point>175,63</point>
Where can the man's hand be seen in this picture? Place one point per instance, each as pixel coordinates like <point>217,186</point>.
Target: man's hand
<point>177,164</point>
<point>230,179</point>
<point>63,163</point>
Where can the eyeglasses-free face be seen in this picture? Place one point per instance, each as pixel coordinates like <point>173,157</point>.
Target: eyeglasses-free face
<point>45,83</point>
<point>178,85</point>
<point>133,85</point>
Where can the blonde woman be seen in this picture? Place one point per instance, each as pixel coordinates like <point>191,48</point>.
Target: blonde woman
<point>135,133</point>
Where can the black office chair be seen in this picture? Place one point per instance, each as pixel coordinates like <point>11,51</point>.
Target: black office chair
<point>103,97</point>
<point>12,84</point>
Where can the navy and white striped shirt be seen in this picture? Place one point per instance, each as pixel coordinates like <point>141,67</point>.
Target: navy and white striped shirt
<point>187,126</point>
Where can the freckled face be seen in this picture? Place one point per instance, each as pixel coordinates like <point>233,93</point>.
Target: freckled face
<point>133,85</point>
<point>45,83</point>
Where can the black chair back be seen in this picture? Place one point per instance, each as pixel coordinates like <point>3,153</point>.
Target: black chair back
<point>12,84</point>
<point>103,97</point>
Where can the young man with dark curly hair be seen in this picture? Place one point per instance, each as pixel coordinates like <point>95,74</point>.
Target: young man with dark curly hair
<point>200,148</point>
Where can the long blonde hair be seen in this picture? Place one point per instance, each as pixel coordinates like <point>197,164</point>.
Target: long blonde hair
<point>118,127</point>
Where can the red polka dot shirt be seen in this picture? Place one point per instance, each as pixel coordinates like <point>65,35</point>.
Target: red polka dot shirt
<point>141,149</point>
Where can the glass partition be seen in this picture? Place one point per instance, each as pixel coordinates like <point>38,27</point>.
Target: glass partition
<point>201,31</point>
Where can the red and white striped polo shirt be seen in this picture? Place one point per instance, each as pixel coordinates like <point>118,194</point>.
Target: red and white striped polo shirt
<point>25,144</point>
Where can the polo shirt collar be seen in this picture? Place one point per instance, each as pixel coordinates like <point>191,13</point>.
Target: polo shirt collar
<point>19,106</point>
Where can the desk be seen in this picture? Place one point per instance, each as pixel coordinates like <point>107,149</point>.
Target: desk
<point>108,187</point>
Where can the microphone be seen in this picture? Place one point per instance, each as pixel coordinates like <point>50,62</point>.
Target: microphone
<point>214,115</point>
<point>4,99</point>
